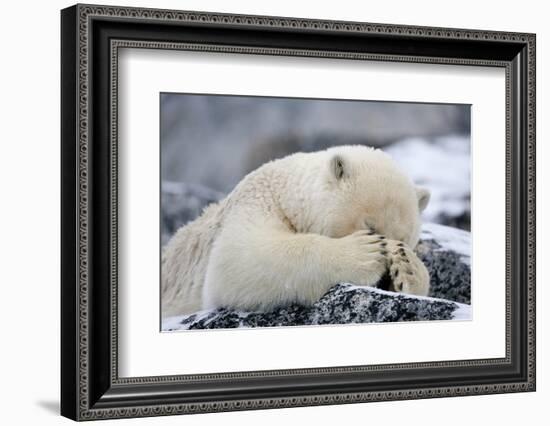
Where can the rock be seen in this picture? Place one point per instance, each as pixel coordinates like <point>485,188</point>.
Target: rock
<point>342,304</point>
<point>446,253</point>
<point>444,250</point>
<point>182,202</point>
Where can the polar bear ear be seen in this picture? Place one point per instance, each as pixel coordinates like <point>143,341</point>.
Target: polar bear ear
<point>337,166</point>
<point>423,196</point>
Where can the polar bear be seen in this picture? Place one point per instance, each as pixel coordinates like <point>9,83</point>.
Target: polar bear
<point>293,228</point>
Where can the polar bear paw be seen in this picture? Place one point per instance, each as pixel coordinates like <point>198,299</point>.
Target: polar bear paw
<point>362,257</point>
<point>408,274</point>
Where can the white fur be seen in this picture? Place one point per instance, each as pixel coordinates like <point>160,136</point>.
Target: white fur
<point>293,228</point>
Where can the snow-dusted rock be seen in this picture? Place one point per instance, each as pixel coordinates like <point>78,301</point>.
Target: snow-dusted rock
<point>446,253</point>
<point>444,250</point>
<point>342,304</point>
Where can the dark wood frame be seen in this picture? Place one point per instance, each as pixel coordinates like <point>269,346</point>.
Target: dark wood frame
<point>90,38</point>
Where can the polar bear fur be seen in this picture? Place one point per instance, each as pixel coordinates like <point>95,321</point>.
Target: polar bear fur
<point>293,228</point>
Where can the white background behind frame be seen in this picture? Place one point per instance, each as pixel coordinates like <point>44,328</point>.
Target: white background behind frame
<point>143,351</point>
<point>32,387</point>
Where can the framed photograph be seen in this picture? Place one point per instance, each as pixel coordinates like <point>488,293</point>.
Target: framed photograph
<point>263,212</point>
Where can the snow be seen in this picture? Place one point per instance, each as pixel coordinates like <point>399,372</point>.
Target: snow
<point>352,287</point>
<point>443,166</point>
<point>450,239</point>
<point>172,323</point>
<point>463,313</point>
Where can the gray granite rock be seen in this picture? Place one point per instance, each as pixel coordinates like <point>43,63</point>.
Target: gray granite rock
<point>446,253</point>
<point>342,304</point>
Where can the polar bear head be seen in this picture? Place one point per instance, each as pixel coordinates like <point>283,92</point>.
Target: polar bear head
<point>358,187</point>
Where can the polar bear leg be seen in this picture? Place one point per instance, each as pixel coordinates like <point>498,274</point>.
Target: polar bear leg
<point>408,273</point>
<point>260,269</point>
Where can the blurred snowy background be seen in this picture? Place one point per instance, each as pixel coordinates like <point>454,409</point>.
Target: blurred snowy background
<point>209,143</point>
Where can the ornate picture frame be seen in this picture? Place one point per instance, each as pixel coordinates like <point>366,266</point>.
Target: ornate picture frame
<point>91,37</point>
